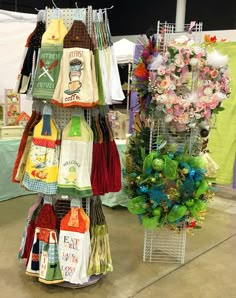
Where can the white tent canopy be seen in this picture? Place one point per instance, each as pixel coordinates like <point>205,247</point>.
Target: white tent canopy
<point>124,51</point>
<point>14,30</point>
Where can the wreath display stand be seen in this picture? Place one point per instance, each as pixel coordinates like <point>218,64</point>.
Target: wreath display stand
<point>169,173</point>
<point>164,245</point>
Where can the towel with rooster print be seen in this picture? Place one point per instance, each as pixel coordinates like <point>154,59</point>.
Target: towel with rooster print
<point>41,170</point>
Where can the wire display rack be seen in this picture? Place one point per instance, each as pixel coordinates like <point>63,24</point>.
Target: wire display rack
<point>160,131</point>
<point>166,32</point>
<point>166,245</point>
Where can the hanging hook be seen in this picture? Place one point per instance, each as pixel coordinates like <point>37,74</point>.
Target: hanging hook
<point>54,4</point>
<point>36,9</point>
<point>104,10</point>
<point>76,4</point>
<point>110,7</point>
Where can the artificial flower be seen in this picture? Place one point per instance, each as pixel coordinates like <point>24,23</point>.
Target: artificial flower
<point>193,61</point>
<point>164,84</point>
<point>141,71</point>
<point>198,93</point>
<point>161,70</point>
<point>214,73</point>
<point>179,62</point>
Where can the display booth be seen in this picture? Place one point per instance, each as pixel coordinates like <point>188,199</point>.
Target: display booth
<point>124,52</point>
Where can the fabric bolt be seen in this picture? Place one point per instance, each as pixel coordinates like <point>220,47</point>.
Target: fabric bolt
<point>41,170</point>
<point>75,159</point>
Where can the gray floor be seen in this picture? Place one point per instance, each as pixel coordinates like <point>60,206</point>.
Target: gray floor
<point>209,269</point>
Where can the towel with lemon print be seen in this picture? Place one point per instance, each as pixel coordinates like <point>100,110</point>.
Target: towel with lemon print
<point>76,158</point>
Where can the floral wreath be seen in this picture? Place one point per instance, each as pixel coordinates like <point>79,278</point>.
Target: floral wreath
<point>188,83</point>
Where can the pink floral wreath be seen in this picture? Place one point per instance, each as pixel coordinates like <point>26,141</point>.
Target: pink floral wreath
<point>188,83</point>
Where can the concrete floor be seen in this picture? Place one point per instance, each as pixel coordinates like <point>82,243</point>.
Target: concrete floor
<point>209,270</point>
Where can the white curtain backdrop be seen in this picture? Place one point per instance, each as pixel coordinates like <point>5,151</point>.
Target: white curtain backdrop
<point>14,30</point>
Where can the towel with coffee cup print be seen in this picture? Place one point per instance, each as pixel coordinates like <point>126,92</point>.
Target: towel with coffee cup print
<point>77,84</point>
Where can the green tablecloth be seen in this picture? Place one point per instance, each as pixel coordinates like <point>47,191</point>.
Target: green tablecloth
<point>8,152</point>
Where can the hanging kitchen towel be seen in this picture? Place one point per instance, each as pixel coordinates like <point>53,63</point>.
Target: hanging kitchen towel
<point>49,271</point>
<point>47,71</point>
<point>32,268</point>
<point>28,67</point>
<point>41,170</point>
<point>28,234</point>
<point>76,158</point>
<point>22,164</point>
<point>74,246</point>
<point>45,240</point>
<point>49,60</point>
<point>22,145</point>
<point>77,85</point>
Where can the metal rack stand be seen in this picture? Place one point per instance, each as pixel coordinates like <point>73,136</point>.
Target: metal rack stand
<point>166,245</point>
<point>167,31</point>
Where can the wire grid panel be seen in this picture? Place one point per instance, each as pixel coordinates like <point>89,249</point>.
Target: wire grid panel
<point>68,16</point>
<point>62,116</point>
<point>63,205</point>
<point>160,130</point>
<point>164,246</point>
<point>166,32</point>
